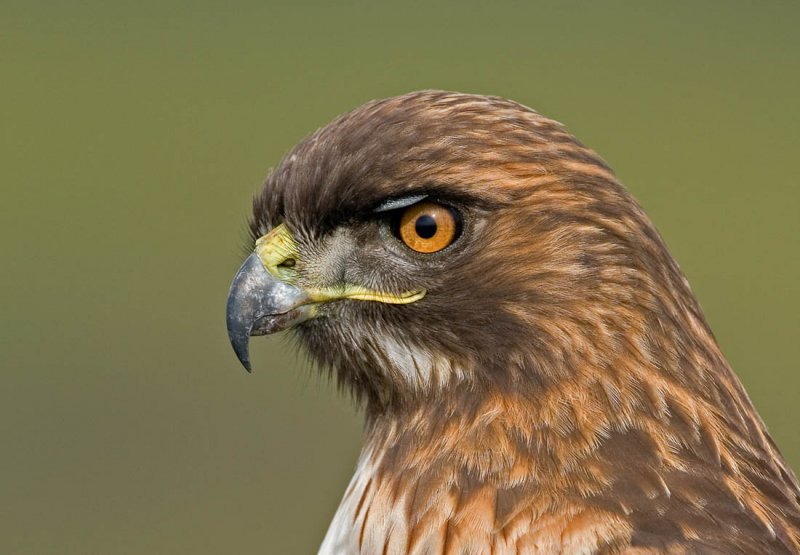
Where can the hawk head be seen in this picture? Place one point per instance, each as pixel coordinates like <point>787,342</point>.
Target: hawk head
<point>436,238</point>
<point>535,368</point>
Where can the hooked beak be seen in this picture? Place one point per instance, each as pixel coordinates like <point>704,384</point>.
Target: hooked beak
<point>259,303</point>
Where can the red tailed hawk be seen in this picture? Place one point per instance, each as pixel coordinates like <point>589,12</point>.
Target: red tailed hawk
<point>536,374</point>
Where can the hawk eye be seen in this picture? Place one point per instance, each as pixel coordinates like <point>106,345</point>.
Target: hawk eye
<point>428,226</point>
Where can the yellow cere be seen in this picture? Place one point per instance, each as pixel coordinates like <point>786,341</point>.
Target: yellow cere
<point>274,249</point>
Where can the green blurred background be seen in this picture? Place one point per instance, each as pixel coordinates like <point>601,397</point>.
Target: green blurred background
<point>133,135</point>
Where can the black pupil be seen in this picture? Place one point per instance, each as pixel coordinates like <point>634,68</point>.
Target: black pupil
<point>425,226</point>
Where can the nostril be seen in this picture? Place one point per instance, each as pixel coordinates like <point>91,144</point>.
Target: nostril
<point>288,263</point>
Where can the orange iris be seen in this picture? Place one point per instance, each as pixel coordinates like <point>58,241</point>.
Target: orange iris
<point>428,227</point>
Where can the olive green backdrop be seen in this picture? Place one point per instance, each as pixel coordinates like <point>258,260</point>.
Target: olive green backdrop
<point>133,135</point>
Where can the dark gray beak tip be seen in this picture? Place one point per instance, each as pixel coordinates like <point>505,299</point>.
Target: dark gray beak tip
<point>240,346</point>
<point>239,334</point>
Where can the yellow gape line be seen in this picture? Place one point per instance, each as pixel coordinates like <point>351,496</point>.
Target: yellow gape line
<point>360,293</point>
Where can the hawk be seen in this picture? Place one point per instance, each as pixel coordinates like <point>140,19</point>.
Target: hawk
<point>535,372</point>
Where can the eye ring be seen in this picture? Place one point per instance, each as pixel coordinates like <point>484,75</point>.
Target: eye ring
<point>428,227</point>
